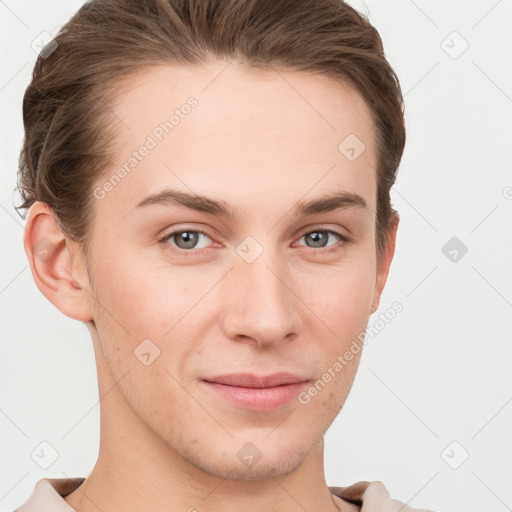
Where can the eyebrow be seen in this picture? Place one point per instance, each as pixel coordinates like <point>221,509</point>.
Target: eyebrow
<point>332,202</point>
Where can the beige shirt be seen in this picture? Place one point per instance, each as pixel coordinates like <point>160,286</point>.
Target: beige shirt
<point>49,493</point>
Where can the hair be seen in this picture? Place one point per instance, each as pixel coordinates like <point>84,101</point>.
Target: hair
<point>68,122</point>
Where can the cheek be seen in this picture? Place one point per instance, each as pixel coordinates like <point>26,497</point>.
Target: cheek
<point>341,312</point>
<point>144,297</point>
<point>344,300</point>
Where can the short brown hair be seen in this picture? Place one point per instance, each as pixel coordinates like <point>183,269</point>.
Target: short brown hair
<point>68,145</point>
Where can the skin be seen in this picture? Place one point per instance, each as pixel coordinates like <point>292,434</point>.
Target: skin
<point>253,141</point>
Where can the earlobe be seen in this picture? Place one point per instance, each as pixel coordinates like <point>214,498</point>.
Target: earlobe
<point>58,273</point>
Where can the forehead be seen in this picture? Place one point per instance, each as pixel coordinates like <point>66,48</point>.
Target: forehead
<point>224,126</point>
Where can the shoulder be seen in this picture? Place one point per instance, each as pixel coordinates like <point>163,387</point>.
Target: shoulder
<point>372,497</point>
<point>49,493</point>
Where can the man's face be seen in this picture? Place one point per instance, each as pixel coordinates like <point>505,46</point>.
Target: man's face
<point>265,291</point>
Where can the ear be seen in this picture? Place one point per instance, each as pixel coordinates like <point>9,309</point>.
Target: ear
<point>384,261</point>
<point>56,263</point>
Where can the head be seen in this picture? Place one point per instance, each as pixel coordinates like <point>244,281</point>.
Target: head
<point>260,117</point>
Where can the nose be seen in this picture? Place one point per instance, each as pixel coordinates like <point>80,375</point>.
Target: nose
<point>260,304</point>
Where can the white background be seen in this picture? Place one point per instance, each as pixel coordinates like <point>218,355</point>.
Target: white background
<point>438,373</point>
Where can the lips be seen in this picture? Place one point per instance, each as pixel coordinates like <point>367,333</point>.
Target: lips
<point>249,380</point>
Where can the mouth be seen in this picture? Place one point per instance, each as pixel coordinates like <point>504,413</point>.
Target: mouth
<point>255,392</point>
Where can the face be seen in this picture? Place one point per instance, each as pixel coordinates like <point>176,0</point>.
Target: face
<point>269,274</point>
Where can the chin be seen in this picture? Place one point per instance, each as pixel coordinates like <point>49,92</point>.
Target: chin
<point>250,461</point>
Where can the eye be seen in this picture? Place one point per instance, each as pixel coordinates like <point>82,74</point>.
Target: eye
<point>185,239</point>
<point>319,238</point>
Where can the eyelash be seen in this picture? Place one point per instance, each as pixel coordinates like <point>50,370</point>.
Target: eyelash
<point>337,247</point>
